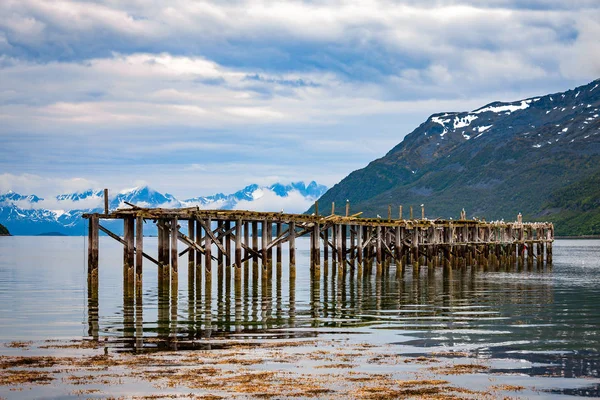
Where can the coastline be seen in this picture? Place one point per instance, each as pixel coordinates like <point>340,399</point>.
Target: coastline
<point>333,368</point>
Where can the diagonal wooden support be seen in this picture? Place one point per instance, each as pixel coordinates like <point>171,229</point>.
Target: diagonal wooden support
<point>281,238</point>
<point>210,234</point>
<point>186,240</point>
<point>118,239</point>
<point>248,248</point>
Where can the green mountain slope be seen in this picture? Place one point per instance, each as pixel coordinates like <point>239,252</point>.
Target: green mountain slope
<point>538,156</point>
<point>3,230</point>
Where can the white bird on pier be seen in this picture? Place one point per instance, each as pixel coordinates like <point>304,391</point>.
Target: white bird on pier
<point>378,216</point>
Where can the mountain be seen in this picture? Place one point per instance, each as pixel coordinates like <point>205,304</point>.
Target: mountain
<point>4,231</point>
<point>538,156</point>
<point>26,215</point>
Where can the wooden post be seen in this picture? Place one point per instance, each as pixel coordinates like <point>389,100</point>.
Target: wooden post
<point>316,208</point>
<point>389,212</point>
<point>338,244</point>
<point>379,265</point>
<point>415,248</point>
<point>227,239</point>
<point>105,201</point>
<point>352,245</point>
<point>220,254</point>
<point>198,253</point>
<point>549,238</point>
<point>400,212</point>
<point>139,248</point>
<point>334,235</point>
<point>246,240</point>
<point>359,250</point>
<point>269,240</point>
<point>422,211</point>
<point>398,250</point>
<point>128,256</point>
<point>278,247</point>
<point>333,208</point>
<point>191,252</point>
<point>326,246</point>
<point>255,240</point>
<point>93,250</point>
<point>411,212</point>
<point>292,246</point>
<point>128,248</point>
<point>344,244</point>
<point>317,246</point>
<point>347,208</point>
<point>174,254</point>
<point>264,244</point>
<point>208,248</point>
<point>166,274</point>
<point>238,243</point>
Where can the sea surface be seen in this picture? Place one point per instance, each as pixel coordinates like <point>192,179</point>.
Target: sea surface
<point>533,324</point>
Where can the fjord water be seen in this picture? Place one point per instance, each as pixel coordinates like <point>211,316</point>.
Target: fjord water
<point>534,323</point>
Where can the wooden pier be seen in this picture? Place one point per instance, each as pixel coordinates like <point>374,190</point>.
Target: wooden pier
<point>351,245</point>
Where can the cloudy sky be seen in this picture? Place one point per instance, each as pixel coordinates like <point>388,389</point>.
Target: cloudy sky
<point>195,97</point>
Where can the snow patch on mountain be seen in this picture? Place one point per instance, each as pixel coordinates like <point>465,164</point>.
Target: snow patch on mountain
<point>502,107</point>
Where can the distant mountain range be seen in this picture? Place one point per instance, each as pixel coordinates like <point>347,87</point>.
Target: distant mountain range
<point>27,214</point>
<point>539,156</point>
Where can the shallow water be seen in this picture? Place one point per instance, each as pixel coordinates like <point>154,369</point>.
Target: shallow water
<point>535,324</point>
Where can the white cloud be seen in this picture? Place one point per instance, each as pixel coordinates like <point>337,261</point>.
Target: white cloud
<point>252,89</point>
<point>293,203</point>
<point>45,187</point>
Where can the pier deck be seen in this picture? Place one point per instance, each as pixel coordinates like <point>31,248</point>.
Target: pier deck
<point>349,243</point>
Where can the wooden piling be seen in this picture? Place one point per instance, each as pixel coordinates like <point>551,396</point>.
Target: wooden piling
<point>255,241</point>
<point>317,247</point>
<point>139,250</point>
<point>198,239</point>
<point>93,249</point>
<point>105,201</point>
<point>174,254</point>
<point>379,258</point>
<point>264,244</point>
<point>326,246</point>
<point>227,239</point>
<point>207,246</point>
<point>278,248</point>
<point>128,249</point>
<point>238,244</point>
<point>292,245</point>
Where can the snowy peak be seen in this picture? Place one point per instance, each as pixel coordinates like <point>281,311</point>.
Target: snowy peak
<point>575,110</point>
<point>11,197</point>
<point>143,196</point>
<point>79,196</point>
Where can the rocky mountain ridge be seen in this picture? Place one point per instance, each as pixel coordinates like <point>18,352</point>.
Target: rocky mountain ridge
<point>495,161</point>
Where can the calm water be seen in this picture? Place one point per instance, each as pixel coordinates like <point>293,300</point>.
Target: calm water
<point>533,323</point>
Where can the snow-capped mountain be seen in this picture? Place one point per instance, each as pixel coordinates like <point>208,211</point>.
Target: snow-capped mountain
<point>27,215</point>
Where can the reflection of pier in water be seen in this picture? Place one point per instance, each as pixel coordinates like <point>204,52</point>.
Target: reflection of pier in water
<point>255,306</point>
